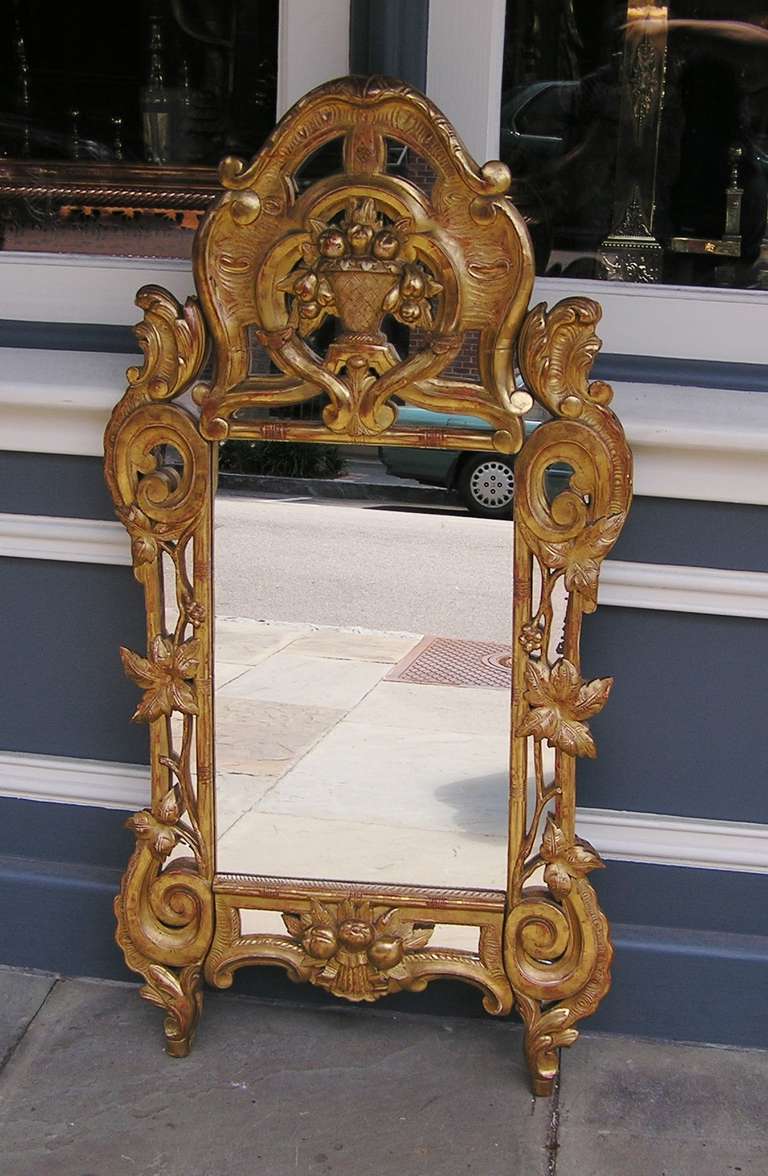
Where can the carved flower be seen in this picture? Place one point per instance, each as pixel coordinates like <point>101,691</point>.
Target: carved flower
<point>560,702</point>
<point>144,546</point>
<point>196,613</point>
<point>531,637</point>
<point>348,951</point>
<point>160,838</point>
<point>165,677</point>
<point>565,862</point>
<point>581,557</point>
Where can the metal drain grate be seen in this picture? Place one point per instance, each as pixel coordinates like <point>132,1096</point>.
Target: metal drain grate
<point>447,661</point>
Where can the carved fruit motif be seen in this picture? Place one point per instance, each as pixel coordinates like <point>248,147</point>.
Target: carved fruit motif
<point>350,953</point>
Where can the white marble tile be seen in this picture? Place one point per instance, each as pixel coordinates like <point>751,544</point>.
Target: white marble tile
<point>299,847</point>
<point>413,778</point>
<point>250,642</point>
<point>236,794</point>
<point>227,672</point>
<point>266,738</point>
<point>464,710</point>
<point>365,646</point>
<point>312,681</point>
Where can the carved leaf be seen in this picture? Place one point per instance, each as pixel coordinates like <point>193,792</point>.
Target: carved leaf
<point>592,697</point>
<point>293,925</point>
<point>581,557</point>
<point>143,549</point>
<point>558,879</point>
<point>582,857</point>
<point>137,668</point>
<point>559,700</point>
<point>546,722</point>
<point>163,676</point>
<point>553,843</point>
<point>169,810</point>
<point>187,658</point>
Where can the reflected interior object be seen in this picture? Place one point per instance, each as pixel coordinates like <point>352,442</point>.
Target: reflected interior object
<point>617,121</point>
<point>347,251</point>
<point>186,82</point>
<point>631,252</point>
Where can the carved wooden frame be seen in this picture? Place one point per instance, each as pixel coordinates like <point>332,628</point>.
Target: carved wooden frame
<point>455,261</point>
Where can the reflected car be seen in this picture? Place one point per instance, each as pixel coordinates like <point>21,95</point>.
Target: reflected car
<point>484,482</point>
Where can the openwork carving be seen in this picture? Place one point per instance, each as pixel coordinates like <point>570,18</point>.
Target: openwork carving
<point>557,952</point>
<point>355,248</point>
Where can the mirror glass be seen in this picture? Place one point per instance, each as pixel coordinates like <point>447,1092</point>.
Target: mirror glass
<point>362,673</point>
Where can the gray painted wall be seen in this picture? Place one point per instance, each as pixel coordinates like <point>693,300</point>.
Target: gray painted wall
<point>65,693</point>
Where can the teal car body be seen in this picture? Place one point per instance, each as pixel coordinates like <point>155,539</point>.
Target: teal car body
<point>443,467</point>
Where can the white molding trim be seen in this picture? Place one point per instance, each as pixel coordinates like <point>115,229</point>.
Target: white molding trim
<point>66,780</point>
<point>668,587</point>
<point>618,836</point>
<point>69,288</point>
<point>676,841</point>
<point>58,401</point>
<point>312,47</point>
<point>465,55</point>
<point>97,541</point>
<point>703,444</point>
<point>676,588</point>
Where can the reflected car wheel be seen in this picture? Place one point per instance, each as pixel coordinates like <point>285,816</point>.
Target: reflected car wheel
<point>486,486</point>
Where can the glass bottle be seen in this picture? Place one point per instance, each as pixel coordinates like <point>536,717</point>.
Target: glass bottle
<point>156,101</point>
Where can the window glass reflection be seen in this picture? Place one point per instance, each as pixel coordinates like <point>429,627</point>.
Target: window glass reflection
<point>638,138</point>
<point>147,97</point>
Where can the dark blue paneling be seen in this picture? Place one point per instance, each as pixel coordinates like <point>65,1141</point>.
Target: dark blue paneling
<point>699,534</point>
<point>684,898</point>
<point>389,37</point>
<point>68,336</point>
<point>77,834</point>
<point>689,373</point>
<point>59,918</point>
<point>684,729</point>
<point>65,692</point>
<point>687,986</point>
<point>684,985</point>
<point>67,485</point>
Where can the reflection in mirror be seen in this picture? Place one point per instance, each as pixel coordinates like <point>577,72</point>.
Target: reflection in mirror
<point>363,680</point>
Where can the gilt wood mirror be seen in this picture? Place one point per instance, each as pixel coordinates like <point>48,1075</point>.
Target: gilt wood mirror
<point>314,272</point>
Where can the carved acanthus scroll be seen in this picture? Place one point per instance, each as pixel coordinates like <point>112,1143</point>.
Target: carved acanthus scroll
<point>557,948</point>
<point>165,907</point>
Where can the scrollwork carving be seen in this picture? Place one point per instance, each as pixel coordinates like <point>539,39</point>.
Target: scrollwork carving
<point>557,950</point>
<point>277,259</point>
<point>165,908</point>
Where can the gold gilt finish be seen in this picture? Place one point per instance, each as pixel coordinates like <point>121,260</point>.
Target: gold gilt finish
<point>359,246</point>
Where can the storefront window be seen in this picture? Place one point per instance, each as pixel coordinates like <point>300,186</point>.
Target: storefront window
<point>638,138</point>
<point>112,120</point>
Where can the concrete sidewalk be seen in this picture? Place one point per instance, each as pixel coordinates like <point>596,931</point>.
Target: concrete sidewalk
<point>85,1090</point>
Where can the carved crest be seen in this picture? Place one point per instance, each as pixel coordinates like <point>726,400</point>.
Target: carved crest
<point>358,246</point>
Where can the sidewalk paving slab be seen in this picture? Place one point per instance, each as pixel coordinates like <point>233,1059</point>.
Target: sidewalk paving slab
<point>650,1108</point>
<point>21,995</point>
<point>267,1091</point>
